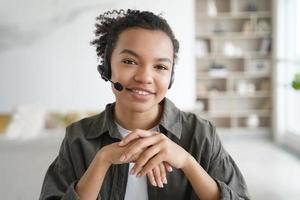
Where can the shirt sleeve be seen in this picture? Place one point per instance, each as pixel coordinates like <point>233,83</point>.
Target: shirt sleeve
<point>60,179</point>
<point>225,172</point>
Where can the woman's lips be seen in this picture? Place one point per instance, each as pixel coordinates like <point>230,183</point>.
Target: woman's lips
<point>140,94</point>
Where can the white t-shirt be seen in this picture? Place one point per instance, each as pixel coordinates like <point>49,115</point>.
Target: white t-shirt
<point>136,187</point>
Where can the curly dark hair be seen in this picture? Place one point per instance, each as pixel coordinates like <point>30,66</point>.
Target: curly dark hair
<point>110,24</point>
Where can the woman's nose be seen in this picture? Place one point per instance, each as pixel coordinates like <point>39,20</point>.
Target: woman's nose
<point>144,75</point>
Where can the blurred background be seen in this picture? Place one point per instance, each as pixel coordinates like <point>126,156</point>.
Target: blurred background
<point>239,66</point>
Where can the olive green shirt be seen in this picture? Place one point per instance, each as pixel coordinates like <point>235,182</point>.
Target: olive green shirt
<point>197,136</point>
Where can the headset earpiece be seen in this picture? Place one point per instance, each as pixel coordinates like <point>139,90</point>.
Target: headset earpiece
<point>104,69</point>
<point>101,71</point>
<point>172,77</point>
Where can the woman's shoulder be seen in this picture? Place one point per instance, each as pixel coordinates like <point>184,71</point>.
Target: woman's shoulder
<point>198,126</point>
<point>196,118</point>
<point>188,123</point>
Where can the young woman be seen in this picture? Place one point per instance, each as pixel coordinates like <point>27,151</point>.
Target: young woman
<point>141,146</point>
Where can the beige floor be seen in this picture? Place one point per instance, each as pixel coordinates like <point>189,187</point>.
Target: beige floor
<point>271,172</point>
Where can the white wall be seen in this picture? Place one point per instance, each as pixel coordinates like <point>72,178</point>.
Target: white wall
<point>46,58</point>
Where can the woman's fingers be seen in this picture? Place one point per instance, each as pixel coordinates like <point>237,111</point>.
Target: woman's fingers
<point>139,146</point>
<point>168,167</point>
<point>163,176</point>
<point>153,162</point>
<point>136,134</point>
<point>144,158</point>
<point>133,158</point>
<point>157,176</point>
<point>163,173</point>
<point>151,178</point>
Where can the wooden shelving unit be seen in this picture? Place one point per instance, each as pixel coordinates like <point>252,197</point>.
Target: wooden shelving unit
<point>234,63</point>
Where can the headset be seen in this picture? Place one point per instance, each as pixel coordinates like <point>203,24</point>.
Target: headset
<point>105,72</point>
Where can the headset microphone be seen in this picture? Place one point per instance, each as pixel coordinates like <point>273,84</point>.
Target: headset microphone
<point>118,86</point>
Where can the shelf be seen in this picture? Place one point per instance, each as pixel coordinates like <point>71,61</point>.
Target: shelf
<point>234,64</point>
<point>247,55</point>
<point>241,131</point>
<point>234,35</point>
<point>244,113</point>
<point>215,95</point>
<point>237,15</point>
<point>233,75</point>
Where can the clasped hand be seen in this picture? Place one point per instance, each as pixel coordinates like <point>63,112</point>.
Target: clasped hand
<point>152,152</point>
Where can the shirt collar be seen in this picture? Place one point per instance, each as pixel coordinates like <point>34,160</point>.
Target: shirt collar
<point>171,121</point>
<point>104,123</point>
<point>171,118</point>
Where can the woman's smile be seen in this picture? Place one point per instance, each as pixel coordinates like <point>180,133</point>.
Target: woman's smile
<point>140,94</point>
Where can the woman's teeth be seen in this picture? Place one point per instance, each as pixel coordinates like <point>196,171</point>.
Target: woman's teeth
<point>140,92</point>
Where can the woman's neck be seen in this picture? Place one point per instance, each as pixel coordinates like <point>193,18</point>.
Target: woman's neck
<point>137,120</point>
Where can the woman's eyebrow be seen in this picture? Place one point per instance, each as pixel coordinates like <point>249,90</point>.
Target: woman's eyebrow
<point>164,60</point>
<point>128,51</point>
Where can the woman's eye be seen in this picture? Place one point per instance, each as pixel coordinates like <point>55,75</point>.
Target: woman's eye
<point>129,62</point>
<point>161,67</point>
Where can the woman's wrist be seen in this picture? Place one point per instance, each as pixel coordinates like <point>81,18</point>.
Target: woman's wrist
<point>90,183</point>
<point>189,161</point>
<point>102,159</point>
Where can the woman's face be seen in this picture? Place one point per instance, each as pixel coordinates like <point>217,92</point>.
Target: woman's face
<point>142,62</point>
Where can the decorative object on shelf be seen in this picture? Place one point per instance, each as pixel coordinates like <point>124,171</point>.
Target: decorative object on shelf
<point>251,88</point>
<point>252,121</point>
<point>217,70</point>
<point>4,121</point>
<point>259,66</point>
<point>214,90</point>
<point>265,85</point>
<point>27,122</point>
<point>201,48</point>
<point>245,88</point>
<point>212,8</point>
<point>57,120</point>
<point>200,105</point>
<point>251,7</point>
<point>247,27</point>
<point>242,87</point>
<point>61,120</point>
<point>263,26</point>
<point>296,82</point>
<point>201,88</point>
<point>54,120</point>
<point>230,49</point>
<point>266,105</point>
<point>265,46</point>
<point>218,28</point>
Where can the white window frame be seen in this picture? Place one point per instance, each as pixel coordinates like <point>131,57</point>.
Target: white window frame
<point>286,118</point>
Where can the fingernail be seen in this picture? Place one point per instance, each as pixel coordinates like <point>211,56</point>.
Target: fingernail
<point>165,181</point>
<point>122,142</point>
<point>160,185</point>
<point>155,184</point>
<point>139,175</point>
